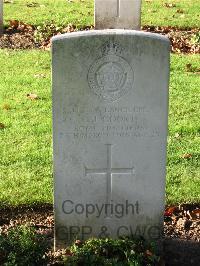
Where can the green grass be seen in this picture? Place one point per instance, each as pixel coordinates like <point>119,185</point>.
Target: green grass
<point>185,13</point>
<point>25,162</point>
<point>60,12</point>
<point>183,179</point>
<point>26,152</point>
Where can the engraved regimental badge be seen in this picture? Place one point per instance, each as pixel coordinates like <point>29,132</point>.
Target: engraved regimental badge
<point>110,76</point>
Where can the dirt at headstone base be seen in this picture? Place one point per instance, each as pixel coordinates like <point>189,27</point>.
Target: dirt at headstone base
<point>24,36</point>
<point>181,230</point>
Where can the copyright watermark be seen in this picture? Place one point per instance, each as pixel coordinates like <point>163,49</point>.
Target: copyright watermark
<point>69,233</point>
<point>117,210</point>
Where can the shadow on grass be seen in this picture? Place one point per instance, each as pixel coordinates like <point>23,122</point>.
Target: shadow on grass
<point>176,251</point>
<point>181,252</point>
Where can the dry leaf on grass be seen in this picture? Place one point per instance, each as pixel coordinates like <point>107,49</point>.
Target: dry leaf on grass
<point>187,156</point>
<point>32,96</point>
<point>195,214</point>
<point>6,106</point>
<point>20,26</point>
<point>170,211</point>
<point>149,253</point>
<point>170,5</point>
<point>189,67</point>
<point>177,135</point>
<point>2,126</point>
<point>8,1</point>
<point>33,4</point>
<point>180,11</point>
<point>14,23</point>
<point>39,76</point>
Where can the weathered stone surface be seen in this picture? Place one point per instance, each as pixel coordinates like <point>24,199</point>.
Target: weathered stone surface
<point>1,16</point>
<point>117,14</point>
<point>110,102</point>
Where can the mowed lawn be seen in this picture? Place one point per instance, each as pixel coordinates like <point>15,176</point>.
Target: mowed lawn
<point>26,150</point>
<point>181,13</point>
<point>26,124</point>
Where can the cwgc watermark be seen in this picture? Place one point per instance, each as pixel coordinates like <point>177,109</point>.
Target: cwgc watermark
<point>117,210</point>
<point>69,233</point>
<point>104,210</point>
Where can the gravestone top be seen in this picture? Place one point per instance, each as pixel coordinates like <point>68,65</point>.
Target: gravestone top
<point>117,14</point>
<point>110,104</point>
<point>111,32</point>
<point>1,16</point>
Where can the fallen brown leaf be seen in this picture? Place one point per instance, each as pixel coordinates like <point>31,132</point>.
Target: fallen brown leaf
<point>78,242</point>
<point>196,213</point>
<point>68,252</point>
<point>14,23</point>
<point>6,106</point>
<point>170,5</point>
<point>172,209</point>
<point>181,222</point>
<point>33,4</point>
<point>187,224</point>
<point>180,11</point>
<point>8,1</point>
<point>187,156</point>
<point>189,67</point>
<point>70,28</point>
<point>39,76</point>
<point>32,96</point>
<point>2,126</point>
<point>177,135</point>
<point>149,253</point>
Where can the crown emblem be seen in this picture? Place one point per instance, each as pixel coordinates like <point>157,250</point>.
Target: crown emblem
<point>111,48</point>
<point>110,76</point>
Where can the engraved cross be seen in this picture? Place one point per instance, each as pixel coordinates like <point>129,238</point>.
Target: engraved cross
<point>109,172</point>
<point>118,8</point>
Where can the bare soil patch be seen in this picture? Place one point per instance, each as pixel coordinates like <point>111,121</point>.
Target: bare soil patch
<point>186,40</point>
<point>23,36</point>
<point>181,229</point>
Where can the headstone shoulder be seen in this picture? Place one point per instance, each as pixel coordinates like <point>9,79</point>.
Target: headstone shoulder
<point>154,36</point>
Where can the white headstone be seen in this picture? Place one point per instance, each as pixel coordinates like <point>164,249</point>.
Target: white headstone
<point>1,16</point>
<point>110,102</point>
<point>117,14</point>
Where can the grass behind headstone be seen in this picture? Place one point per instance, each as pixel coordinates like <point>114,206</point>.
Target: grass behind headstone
<point>181,13</point>
<point>26,135</point>
<point>26,157</point>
